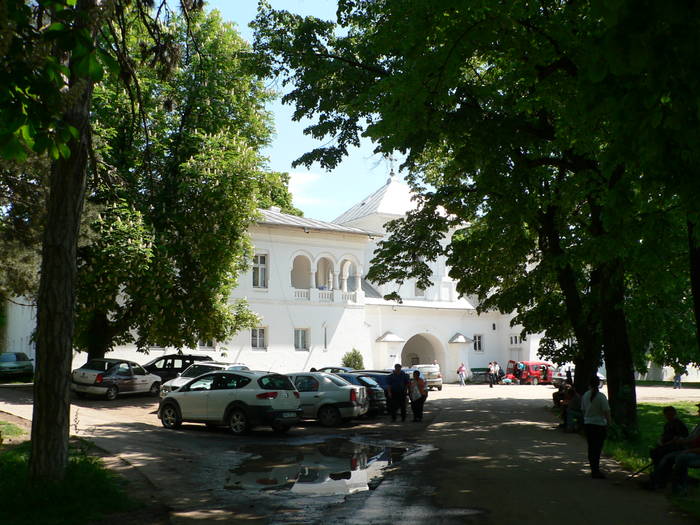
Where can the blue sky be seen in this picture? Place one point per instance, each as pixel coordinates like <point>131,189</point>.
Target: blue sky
<point>319,194</point>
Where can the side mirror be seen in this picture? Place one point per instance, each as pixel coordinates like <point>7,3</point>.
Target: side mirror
<point>179,374</point>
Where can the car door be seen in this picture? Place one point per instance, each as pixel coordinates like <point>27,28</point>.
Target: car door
<point>123,377</point>
<point>193,401</point>
<point>226,388</point>
<point>309,394</point>
<point>141,378</point>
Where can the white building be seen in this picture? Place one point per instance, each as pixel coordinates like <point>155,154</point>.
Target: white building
<point>307,285</point>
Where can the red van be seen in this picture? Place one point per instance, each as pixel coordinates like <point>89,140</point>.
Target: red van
<point>530,373</point>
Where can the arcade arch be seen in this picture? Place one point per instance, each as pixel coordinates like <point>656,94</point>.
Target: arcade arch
<point>422,349</point>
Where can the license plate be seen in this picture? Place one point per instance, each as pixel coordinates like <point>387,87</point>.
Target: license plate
<point>289,414</point>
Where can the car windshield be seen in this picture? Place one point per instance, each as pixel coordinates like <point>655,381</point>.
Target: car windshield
<point>275,382</point>
<point>11,357</point>
<point>98,364</point>
<point>198,370</point>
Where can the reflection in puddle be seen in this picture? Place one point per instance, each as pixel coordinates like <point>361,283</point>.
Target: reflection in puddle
<point>335,466</point>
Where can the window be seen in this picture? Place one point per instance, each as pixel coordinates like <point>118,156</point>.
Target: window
<point>260,271</point>
<point>478,347</point>
<point>257,339</point>
<point>206,343</point>
<point>230,382</point>
<point>137,370</point>
<point>514,340</point>
<point>306,384</point>
<point>419,291</point>
<point>301,339</point>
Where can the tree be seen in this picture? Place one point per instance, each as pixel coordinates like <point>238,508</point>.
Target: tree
<point>172,236</point>
<point>353,359</point>
<point>486,101</point>
<point>50,62</point>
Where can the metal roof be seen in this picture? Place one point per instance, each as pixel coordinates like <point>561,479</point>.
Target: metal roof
<point>275,217</point>
<point>394,198</point>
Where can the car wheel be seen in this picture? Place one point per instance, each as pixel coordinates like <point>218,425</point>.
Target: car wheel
<point>170,416</point>
<point>238,421</point>
<point>534,381</point>
<point>329,416</point>
<point>439,388</point>
<point>112,393</point>
<point>155,389</point>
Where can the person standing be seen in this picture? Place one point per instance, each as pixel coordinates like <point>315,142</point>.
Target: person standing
<point>596,418</point>
<point>491,374</point>
<point>398,388</point>
<point>677,380</point>
<point>418,393</point>
<point>462,373</point>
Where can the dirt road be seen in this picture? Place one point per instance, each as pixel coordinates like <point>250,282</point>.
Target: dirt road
<point>490,456</point>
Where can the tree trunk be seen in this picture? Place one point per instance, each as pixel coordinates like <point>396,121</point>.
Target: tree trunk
<point>54,334</point>
<point>618,352</point>
<point>694,260</point>
<point>99,337</point>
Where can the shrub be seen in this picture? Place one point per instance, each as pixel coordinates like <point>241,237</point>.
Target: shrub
<point>353,359</point>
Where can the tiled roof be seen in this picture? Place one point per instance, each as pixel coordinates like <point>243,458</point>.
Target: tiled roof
<point>274,216</point>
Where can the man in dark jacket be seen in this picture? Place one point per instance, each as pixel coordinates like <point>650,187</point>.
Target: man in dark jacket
<point>398,389</point>
<point>674,430</point>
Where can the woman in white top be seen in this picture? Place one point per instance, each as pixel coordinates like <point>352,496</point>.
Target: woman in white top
<point>596,418</point>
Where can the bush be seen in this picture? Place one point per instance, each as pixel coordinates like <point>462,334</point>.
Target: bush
<point>353,359</point>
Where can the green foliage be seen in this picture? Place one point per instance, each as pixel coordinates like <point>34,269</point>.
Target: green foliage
<point>88,492</point>
<point>353,359</point>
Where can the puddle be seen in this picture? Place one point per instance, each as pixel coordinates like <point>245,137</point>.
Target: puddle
<point>333,467</point>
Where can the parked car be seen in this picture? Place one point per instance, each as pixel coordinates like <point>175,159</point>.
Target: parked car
<point>112,377</point>
<point>196,370</point>
<point>431,374</point>
<point>15,364</point>
<point>329,398</point>
<point>240,399</point>
<point>167,367</point>
<point>559,377</point>
<point>375,392</point>
<point>530,373</point>
<point>380,376</point>
<point>335,369</point>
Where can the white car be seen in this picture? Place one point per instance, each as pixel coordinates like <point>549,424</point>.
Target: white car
<point>329,398</point>
<point>113,377</point>
<point>240,399</point>
<point>196,370</point>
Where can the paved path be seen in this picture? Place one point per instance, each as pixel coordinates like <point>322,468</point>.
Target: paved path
<point>495,458</point>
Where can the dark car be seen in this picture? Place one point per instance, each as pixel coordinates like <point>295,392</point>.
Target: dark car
<point>167,367</point>
<point>112,377</point>
<point>377,397</point>
<point>380,376</point>
<point>15,364</point>
<point>336,369</point>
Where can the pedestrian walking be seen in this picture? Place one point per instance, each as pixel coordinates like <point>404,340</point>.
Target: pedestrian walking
<point>398,389</point>
<point>677,380</point>
<point>596,418</point>
<point>462,373</point>
<point>418,393</point>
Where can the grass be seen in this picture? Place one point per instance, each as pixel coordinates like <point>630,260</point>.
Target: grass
<point>634,453</point>
<point>667,383</point>
<point>88,492</point>
<point>10,430</point>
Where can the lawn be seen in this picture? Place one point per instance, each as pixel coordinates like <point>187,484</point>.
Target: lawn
<point>9,430</point>
<point>88,492</point>
<point>634,454</point>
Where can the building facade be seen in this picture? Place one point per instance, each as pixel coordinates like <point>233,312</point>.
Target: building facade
<point>307,284</point>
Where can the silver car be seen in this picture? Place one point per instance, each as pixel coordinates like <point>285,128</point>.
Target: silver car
<point>329,398</point>
<point>113,377</point>
<point>15,364</point>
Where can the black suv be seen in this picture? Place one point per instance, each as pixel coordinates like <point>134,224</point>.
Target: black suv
<point>169,366</point>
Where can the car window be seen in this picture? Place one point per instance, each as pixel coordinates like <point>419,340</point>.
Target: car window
<point>351,379</point>
<point>138,370</point>
<point>203,383</point>
<point>122,369</point>
<point>98,364</point>
<point>369,381</point>
<point>198,370</point>
<point>159,365</point>
<point>177,363</point>
<point>8,358</point>
<point>306,384</point>
<point>21,356</point>
<point>275,382</point>
<point>230,382</point>
<point>339,381</point>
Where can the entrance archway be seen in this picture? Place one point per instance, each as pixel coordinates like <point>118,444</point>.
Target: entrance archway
<point>422,349</point>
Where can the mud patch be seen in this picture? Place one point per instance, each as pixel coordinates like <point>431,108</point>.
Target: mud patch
<point>336,466</point>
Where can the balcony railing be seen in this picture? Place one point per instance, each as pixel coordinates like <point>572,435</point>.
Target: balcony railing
<point>301,295</point>
<point>327,296</point>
